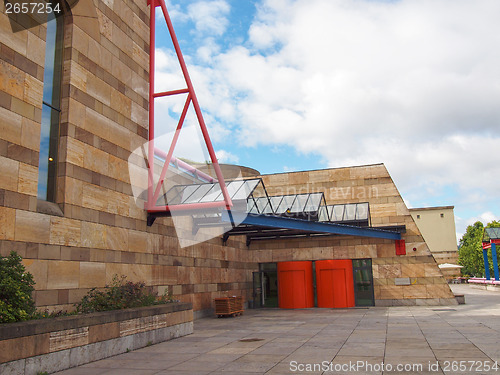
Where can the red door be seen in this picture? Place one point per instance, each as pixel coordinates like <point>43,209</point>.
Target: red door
<point>334,283</point>
<point>295,284</point>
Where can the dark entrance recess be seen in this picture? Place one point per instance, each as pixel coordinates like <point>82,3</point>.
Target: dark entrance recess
<point>363,282</point>
<point>265,286</point>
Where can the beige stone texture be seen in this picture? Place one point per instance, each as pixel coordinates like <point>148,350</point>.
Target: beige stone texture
<point>65,231</point>
<point>60,340</point>
<point>9,170</point>
<point>7,223</point>
<point>28,179</point>
<point>93,235</point>
<point>30,134</point>
<point>63,275</point>
<point>39,269</point>
<point>92,275</point>
<point>32,227</point>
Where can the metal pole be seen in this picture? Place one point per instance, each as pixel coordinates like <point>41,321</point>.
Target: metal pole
<point>495,261</point>
<point>486,264</point>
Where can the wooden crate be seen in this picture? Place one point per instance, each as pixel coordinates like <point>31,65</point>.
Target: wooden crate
<point>228,306</point>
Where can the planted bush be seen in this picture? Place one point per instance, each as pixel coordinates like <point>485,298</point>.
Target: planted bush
<point>121,294</point>
<point>16,287</point>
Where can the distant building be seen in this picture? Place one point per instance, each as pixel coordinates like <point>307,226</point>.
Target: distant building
<point>437,225</point>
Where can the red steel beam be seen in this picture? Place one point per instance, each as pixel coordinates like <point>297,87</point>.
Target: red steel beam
<point>153,193</point>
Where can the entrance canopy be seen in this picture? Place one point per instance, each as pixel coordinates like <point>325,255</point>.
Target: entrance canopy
<point>259,216</point>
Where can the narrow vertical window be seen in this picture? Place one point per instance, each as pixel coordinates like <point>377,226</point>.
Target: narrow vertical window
<point>51,109</point>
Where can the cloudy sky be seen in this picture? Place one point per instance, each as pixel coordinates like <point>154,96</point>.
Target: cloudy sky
<point>289,85</point>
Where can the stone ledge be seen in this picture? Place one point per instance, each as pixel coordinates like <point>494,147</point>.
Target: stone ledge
<point>40,326</point>
<point>77,356</point>
<point>45,338</point>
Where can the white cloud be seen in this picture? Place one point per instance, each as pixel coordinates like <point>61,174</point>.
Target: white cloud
<point>411,83</point>
<point>210,16</point>
<point>227,157</point>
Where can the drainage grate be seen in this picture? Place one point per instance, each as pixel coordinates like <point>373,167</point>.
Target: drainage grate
<point>251,340</point>
<point>444,310</point>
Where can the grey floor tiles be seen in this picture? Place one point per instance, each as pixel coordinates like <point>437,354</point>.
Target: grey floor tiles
<point>396,340</point>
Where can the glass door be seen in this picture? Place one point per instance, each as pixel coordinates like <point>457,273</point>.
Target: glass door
<point>269,284</point>
<point>363,282</point>
<point>258,297</point>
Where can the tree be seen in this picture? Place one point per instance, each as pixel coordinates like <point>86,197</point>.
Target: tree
<point>470,253</point>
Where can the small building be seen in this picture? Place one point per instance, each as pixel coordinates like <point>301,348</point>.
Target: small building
<point>437,225</point>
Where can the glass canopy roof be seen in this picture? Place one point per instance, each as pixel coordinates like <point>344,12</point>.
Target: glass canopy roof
<point>250,196</point>
<point>491,234</point>
<point>357,213</point>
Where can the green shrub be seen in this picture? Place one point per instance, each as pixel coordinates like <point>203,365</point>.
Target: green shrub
<point>16,286</point>
<point>121,294</point>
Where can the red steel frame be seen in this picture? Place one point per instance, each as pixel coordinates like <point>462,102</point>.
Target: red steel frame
<point>154,192</point>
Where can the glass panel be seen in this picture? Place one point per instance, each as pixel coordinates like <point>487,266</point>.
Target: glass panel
<point>53,61</point>
<point>187,192</point>
<point>212,194</point>
<point>286,204</point>
<point>200,192</point>
<point>492,234</point>
<point>233,187</point>
<point>47,162</point>
<point>251,207</point>
<point>323,214</point>
<point>49,132</point>
<point>363,282</point>
<point>246,189</point>
<point>275,202</point>
<point>350,212</point>
<point>300,203</point>
<point>337,213</point>
<point>314,202</point>
<point>261,203</point>
<point>173,196</point>
<point>362,211</point>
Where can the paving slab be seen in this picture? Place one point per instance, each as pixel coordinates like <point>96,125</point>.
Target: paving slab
<point>419,339</point>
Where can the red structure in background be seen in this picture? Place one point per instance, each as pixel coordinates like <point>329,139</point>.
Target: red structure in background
<point>154,191</point>
<point>334,283</point>
<point>295,283</point>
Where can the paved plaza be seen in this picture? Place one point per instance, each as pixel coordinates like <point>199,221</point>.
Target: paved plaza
<point>406,340</point>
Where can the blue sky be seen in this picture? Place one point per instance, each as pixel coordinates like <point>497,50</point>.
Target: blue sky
<point>310,84</point>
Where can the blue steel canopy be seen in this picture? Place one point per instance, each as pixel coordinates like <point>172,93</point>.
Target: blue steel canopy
<point>260,216</point>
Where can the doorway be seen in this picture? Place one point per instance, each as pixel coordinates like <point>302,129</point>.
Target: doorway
<point>265,285</point>
<point>363,282</point>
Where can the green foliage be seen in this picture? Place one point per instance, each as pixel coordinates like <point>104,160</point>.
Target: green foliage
<point>121,294</point>
<point>16,286</point>
<point>471,251</point>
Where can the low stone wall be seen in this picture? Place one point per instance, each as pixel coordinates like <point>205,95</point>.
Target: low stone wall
<point>60,343</point>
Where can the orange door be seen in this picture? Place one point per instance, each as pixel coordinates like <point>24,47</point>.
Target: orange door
<point>295,284</point>
<point>334,283</point>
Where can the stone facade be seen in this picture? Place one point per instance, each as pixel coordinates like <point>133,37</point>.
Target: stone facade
<point>371,184</point>
<point>95,229</point>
